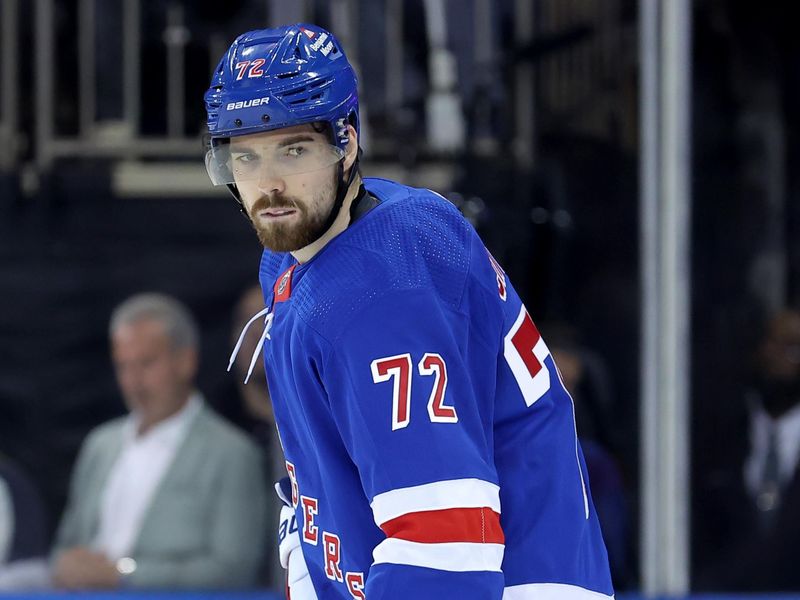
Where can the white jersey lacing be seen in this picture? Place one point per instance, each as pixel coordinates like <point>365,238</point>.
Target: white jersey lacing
<point>259,346</point>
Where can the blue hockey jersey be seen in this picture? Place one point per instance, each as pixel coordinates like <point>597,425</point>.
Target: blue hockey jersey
<point>429,440</point>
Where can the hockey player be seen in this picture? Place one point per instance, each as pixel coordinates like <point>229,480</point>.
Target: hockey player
<point>430,444</point>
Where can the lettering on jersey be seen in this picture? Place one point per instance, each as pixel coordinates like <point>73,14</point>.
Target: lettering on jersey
<point>355,585</point>
<point>500,276</point>
<point>525,352</point>
<point>332,556</point>
<point>433,364</point>
<point>293,479</point>
<point>397,368</point>
<point>310,510</point>
<point>255,70</point>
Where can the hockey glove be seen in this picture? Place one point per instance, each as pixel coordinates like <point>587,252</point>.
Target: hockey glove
<point>298,581</point>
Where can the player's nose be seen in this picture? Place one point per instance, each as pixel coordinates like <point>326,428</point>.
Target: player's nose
<point>270,183</point>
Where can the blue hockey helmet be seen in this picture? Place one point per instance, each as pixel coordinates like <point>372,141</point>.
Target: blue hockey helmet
<point>275,78</point>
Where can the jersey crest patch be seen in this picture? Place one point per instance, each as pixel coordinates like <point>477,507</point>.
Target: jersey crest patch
<point>283,285</point>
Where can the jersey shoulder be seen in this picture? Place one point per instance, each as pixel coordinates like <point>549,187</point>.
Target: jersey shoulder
<point>413,240</point>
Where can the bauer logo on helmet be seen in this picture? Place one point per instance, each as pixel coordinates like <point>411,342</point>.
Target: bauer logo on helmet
<point>247,103</point>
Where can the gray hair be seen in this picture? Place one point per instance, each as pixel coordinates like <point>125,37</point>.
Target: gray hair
<point>178,322</point>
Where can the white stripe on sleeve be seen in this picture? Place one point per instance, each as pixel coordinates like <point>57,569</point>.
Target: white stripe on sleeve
<point>440,495</point>
<point>551,591</point>
<point>450,556</point>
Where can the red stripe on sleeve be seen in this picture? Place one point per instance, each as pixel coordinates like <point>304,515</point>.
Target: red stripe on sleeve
<point>480,525</point>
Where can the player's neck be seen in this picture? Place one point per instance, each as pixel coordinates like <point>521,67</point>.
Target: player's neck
<point>341,222</point>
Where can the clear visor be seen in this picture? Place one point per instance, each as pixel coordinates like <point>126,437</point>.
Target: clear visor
<point>239,162</point>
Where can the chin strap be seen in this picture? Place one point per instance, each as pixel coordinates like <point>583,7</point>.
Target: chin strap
<point>362,204</point>
<point>342,188</point>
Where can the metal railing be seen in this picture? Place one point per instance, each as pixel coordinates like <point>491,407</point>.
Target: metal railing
<point>591,48</point>
<point>560,82</point>
<point>123,137</point>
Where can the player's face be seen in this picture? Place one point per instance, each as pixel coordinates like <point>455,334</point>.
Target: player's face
<point>154,376</point>
<point>289,211</point>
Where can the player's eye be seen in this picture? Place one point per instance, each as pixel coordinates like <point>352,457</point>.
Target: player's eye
<point>296,151</point>
<point>245,158</point>
<point>246,163</point>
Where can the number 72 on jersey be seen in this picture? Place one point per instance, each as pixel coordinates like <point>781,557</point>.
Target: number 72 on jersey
<point>524,351</point>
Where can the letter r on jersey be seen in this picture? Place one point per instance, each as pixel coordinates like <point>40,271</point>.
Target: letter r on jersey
<point>333,555</point>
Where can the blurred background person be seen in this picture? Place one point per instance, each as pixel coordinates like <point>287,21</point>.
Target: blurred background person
<point>23,531</point>
<point>170,496</point>
<point>586,378</point>
<point>748,495</point>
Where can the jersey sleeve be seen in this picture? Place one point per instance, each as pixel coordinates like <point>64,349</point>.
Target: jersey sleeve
<point>409,403</point>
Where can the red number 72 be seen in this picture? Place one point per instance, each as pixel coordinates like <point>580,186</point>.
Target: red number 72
<point>398,368</point>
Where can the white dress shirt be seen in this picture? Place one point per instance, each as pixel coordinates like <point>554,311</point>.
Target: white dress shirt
<point>135,476</point>
<point>787,429</point>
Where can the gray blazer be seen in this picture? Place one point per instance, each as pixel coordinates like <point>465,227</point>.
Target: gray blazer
<point>206,524</point>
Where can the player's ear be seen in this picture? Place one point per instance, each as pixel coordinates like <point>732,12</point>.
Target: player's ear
<point>351,150</point>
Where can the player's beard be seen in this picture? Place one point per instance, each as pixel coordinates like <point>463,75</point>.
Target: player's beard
<point>310,225</point>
